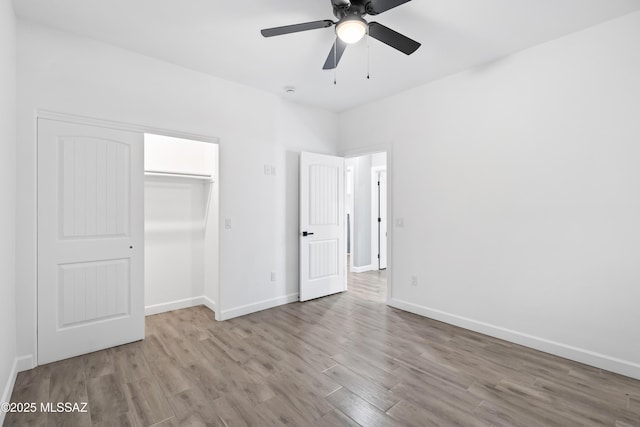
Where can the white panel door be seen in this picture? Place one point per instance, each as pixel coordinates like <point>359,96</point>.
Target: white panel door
<point>90,239</point>
<point>322,229</point>
<point>382,214</point>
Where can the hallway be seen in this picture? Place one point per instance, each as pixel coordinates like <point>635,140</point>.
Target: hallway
<point>370,285</point>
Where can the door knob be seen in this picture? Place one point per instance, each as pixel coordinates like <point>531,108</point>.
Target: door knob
<point>306,233</point>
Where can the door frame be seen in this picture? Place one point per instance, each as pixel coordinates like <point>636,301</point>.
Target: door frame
<point>91,121</point>
<point>388,149</point>
<point>375,207</point>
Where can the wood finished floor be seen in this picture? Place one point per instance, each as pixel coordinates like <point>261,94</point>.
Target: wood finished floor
<point>343,360</point>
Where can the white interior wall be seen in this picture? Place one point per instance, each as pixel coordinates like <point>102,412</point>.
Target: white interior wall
<point>361,256</point>
<point>69,74</point>
<point>174,241</point>
<point>8,197</point>
<point>519,187</point>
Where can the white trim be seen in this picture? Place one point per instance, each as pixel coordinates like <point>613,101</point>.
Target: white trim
<point>375,177</point>
<point>8,387</point>
<point>364,151</point>
<point>602,361</point>
<point>90,121</point>
<point>209,303</point>
<point>24,363</point>
<point>257,306</point>
<point>363,268</point>
<point>172,305</point>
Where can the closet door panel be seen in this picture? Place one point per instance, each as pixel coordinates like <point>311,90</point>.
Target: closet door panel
<point>90,239</point>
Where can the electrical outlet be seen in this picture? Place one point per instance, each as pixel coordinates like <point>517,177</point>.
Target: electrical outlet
<point>414,280</point>
<point>399,222</point>
<point>267,170</point>
<point>227,223</point>
<point>273,276</point>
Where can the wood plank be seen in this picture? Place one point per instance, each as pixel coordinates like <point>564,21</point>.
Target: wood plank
<point>68,384</point>
<point>301,393</point>
<point>336,418</point>
<point>359,410</point>
<point>130,363</point>
<point>147,401</point>
<point>107,397</point>
<point>375,394</point>
<point>98,364</point>
<point>236,411</point>
<point>411,415</point>
<point>30,391</point>
<point>363,367</point>
<point>193,407</point>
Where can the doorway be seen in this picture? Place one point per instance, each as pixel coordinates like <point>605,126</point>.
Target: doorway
<point>180,223</point>
<point>366,219</point>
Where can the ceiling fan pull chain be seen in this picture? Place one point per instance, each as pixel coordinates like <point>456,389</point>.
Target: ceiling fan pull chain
<point>335,65</point>
<point>368,55</point>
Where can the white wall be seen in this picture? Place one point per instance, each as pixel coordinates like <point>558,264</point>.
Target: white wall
<point>8,197</point>
<point>519,186</point>
<point>62,72</point>
<point>361,219</point>
<point>174,212</point>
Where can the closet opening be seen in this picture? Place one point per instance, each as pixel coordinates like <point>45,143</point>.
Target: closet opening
<point>180,223</point>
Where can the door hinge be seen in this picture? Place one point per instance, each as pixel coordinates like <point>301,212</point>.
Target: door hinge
<point>379,219</point>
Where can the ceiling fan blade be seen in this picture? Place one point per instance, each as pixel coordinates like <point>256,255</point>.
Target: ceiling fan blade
<point>392,38</point>
<point>334,56</point>
<point>296,28</point>
<point>374,7</point>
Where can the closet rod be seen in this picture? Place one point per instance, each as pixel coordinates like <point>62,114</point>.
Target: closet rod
<point>179,175</point>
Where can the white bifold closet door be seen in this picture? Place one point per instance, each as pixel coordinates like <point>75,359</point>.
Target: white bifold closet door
<point>90,239</point>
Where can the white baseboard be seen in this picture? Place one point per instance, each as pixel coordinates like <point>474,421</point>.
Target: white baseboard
<point>362,269</point>
<point>209,303</point>
<point>173,305</point>
<point>602,361</point>
<point>8,388</point>
<point>24,363</point>
<point>257,306</point>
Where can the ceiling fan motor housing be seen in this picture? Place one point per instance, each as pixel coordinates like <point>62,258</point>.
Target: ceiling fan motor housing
<point>342,9</point>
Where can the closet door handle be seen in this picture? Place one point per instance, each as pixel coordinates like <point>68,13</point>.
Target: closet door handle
<point>306,233</point>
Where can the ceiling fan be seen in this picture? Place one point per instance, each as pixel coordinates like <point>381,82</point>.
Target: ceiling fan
<point>351,27</point>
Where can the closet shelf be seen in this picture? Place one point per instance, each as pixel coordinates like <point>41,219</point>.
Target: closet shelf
<point>201,177</point>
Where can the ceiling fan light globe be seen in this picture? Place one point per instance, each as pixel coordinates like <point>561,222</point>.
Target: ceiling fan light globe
<point>351,30</point>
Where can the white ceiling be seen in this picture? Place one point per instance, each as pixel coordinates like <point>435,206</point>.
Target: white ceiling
<point>222,38</point>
